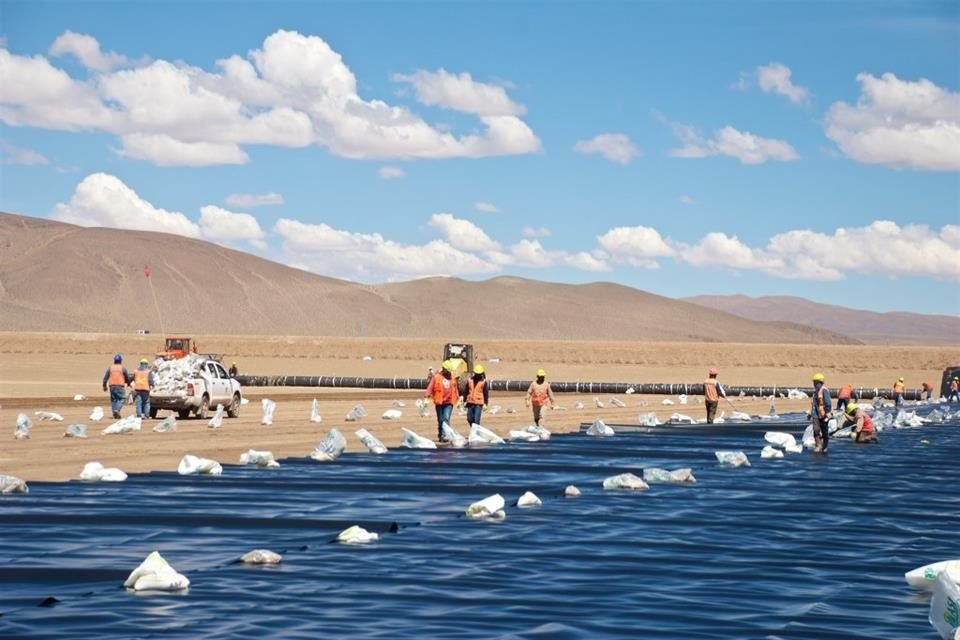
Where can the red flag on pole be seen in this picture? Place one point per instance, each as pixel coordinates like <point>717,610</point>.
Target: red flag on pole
<point>146,271</point>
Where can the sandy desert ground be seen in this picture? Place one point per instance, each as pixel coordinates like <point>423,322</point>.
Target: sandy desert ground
<point>41,371</point>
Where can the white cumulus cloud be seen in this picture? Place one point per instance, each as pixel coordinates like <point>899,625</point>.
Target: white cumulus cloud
<point>532,254</point>
<point>220,225</point>
<point>899,123</point>
<point>615,147</point>
<point>86,49</point>
<point>746,147</point>
<point>638,246</point>
<point>164,151</point>
<point>486,207</point>
<point>778,78</point>
<point>463,234</point>
<point>460,92</point>
<point>249,200</point>
<point>103,200</point>
<point>391,173</point>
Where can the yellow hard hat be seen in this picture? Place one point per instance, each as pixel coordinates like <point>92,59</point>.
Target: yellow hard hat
<point>852,408</point>
<point>447,366</point>
<point>901,380</point>
<point>541,373</point>
<point>478,369</point>
<point>144,361</point>
<point>818,377</point>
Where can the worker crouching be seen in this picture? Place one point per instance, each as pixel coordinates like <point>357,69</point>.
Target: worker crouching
<point>863,430</point>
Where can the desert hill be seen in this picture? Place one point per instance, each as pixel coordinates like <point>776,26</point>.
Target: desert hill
<point>60,277</point>
<point>867,326</point>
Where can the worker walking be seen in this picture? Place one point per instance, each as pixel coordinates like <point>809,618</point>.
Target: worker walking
<point>898,388</point>
<point>844,396</point>
<point>143,382</point>
<point>442,389</point>
<point>820,413</point>
<point>863,429</point>
<point>538,395</point>
<point>117,378</point>
<point>477,395</point>
<point>711,394</point>
<point>954,390</point>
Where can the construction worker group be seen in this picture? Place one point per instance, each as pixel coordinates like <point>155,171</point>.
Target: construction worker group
<point>117,379</point>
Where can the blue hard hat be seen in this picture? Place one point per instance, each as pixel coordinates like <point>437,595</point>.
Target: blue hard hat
<point>117,359</point>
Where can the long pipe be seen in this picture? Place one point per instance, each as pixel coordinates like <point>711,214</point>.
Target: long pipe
<point>660,389</point>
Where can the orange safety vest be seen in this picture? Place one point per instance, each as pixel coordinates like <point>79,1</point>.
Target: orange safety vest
<point>117,379</point>
<point>710,390</point>
<point>898,387</point>
<point>475,391</point>
<point>539,394</point>
<point>867,424</point>
<point>141,380</point>
<point>443,395</point>
<point>845,392</point>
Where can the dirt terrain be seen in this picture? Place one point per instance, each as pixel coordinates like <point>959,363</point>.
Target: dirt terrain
<point>42,372</point>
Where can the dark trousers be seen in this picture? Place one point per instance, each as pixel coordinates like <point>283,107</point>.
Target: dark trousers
<point>444,411</point>
<point>821,427</point>
<point>711,410</point>
<point>474,411</point>
<point>842,404</point>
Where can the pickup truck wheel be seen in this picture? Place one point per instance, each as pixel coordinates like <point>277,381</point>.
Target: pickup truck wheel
<point>234,409</point>
<point>204,405</point>
<point>183,414</point>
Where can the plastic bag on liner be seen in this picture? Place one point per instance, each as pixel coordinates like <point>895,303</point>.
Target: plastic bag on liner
<point>451,435</point>
<point>373,445</point>
<point>330,448</point>
<point>268,406</point>
<point>412,440</point>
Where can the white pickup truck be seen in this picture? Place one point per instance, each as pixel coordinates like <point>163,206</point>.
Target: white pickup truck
<point>206,386</point>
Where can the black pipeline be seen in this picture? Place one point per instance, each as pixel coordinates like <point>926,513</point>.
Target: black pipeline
<point>658,388</point>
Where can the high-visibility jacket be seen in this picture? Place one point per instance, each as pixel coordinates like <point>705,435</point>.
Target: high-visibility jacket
<point>846,391</point>
<point>867,422</point>
<point>898,387</point>
<point>475,391</point>
<point>539,394</point>
<point>710,392</point>
<point>821,402</point>
<point>141,380</point>
<point>443,390</point>
<point>117,379</point>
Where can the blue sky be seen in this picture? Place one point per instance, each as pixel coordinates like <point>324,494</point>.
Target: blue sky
<point>807,149</point>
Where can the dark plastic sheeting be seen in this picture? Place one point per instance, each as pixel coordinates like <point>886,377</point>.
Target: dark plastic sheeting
<point>804,547</point>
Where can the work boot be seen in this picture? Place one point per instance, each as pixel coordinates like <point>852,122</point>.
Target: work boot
<point>116,415</point>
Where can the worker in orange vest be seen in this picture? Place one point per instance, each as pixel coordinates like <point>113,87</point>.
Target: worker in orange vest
<point>926,391</point>
<point>898,388</point>
<point>863,430</point>
<point>844,396</point>
<point>477,395</point>
<point>711,394</point>
<point>538,395</point>
<point>442,389</point>
<point>117,378</point>
<point>142,384</point>
<point>820,413</point>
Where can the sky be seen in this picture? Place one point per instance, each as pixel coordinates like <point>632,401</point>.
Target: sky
<point>684,148</point>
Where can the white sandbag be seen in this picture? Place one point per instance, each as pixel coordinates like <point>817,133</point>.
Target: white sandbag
<point>12,484</point>
<point>315,411</point>
<point>423,407</point>
<point>367,358</point>
<point>259,458</point>
<point>413,441</point>
<point>667,402</point>
<point>22,430</point>
<point>193,465</point>
<point>682,398</point>
<point>130,424</point>
<point>796,394</point>
<point>399,404</point>
<point>96,472</point>
<point>494,410</point>
<point>79,397</point>
<point>732,458</point>
<point>481,436</point>
<point>217,420</point>
<point>578,405</point>
<point>769,452</point>
<point>662,476</point>
<point>598,403</point>
<point>97,414</point>
<point>372,444</point>
<point>453,438</point>
<point>680,418</point>
<point>261,556</point>
<point>571,491</point>
<point>268,407</point>
<point>739,416</point>
<point>630,390</point>
<point>617,402</point>
<point>48,416</point>
<point>75,430</point>
<point>166,425</point>
<point>522,435</point>
<point>511,410</point>
<point>780,439</point>
<point>600,429</point>
<point>490,507</point>
<point>392,414</point>
<point>541,432</point>
<point>648,419</point>
<point>809,441</point>
<point>244,400</point>
<point>330,448</point>
<point>529,499</point>
<point>945,607</point>
<point>625,481</point>
<point>925,577</point>
<point>796,448</point>
<point>356,414</point>
<point>155,574</point>
<point>357,535</point>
